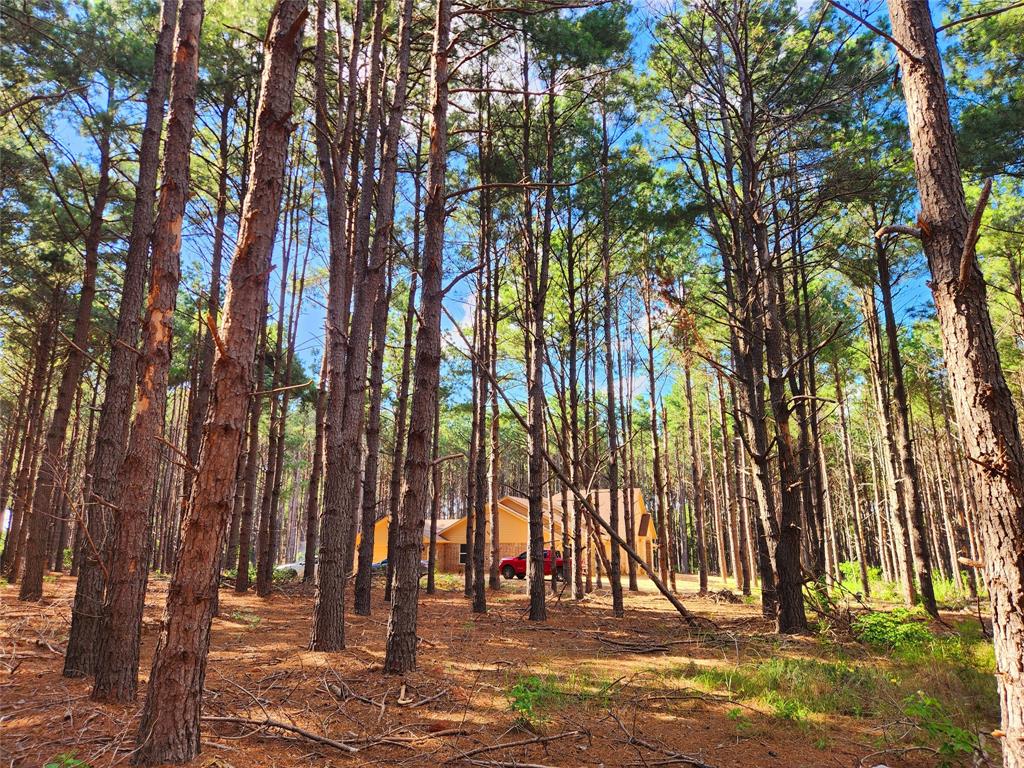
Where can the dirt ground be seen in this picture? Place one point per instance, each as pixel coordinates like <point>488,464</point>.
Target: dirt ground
<point>582,689</point>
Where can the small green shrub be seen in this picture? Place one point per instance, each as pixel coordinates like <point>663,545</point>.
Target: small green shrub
<point>786,708</point>
<point>532,695</point>
<point>65,760</point>
<point>951,741</point>
<point>896,630</point>
<point>448,582</point>
<point>232,573</point>
<point>743,724</point>
<point>283,575</point>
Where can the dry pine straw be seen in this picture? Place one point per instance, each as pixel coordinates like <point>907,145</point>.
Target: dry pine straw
<point>270,702</point>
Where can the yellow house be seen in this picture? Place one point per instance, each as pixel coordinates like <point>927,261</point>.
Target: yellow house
<point>380,537</point>
<point>513,532</point>
<point>513,528</point>
<point>644,536</point>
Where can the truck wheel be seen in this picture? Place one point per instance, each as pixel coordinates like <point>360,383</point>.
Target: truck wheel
<point>521,576</point>
<point>508,572</point>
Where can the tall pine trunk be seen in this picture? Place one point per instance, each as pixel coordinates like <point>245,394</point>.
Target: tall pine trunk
<point>983,403</point>
<point>117,669</point>
<point>48,496</point>
<point>400,645</point>
<point>170,727</point>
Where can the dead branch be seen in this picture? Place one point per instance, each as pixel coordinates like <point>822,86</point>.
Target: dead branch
<point>898,229</point>
<point>967,258</point>
<point>902,48</point>
<point>275,390</point>
<point>214,334</point>
<point>510,744</point>
<point>979,15</point>
<point>270,723</point>
<point>449,457</point>
<point>674,758</point>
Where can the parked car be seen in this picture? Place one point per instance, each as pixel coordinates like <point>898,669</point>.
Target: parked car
<point>382,567</point>
<point>516,566</point>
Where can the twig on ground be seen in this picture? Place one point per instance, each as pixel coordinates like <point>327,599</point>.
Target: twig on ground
<point>510,744</point>
<point>269,723</point>
<point>674,758</point>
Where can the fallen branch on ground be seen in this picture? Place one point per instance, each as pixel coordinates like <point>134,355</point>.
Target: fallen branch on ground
<point>269,723</point>
<point>674,758</point>
<point>520,743</point>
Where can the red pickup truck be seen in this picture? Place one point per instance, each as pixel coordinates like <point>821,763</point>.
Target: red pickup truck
<point>516,566</point>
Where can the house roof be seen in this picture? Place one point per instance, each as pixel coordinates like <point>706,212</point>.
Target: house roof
<point>601,498</point>
<point>519,507</point>
<point>442,525</point>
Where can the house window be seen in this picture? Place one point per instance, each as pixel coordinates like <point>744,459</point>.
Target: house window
<point>462,554</point>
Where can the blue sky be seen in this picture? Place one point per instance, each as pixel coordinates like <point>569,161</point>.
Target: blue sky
<point>912,295</point>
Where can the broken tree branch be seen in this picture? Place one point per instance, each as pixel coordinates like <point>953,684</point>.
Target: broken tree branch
<point>902,48</point>
<point>519,743</point>
<point>979,15</point>
<point>897,229</point>
<point>967,258</point>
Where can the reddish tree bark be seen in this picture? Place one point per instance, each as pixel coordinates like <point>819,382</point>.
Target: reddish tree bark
<point>982,400</point>
<point>118,664</point>
<point>169,730</point>
<point>112,429</point>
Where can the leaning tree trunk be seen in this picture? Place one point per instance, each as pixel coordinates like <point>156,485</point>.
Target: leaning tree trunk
<point>400,647</point>
<point>112,430</point>
<point>984,406</point>
<point>169,730</point>
<point>118,665</point>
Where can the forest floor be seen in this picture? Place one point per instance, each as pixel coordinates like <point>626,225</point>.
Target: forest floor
<point>582,689</point>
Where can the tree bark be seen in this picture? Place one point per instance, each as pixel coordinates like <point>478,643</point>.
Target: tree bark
<point>400,645</point>
<point>328,632</point>
<point>909,481</point>
<point>47,496</point>
<point>980,394</point>
<point>170,726</point>
<point>112,430</point>
<point>117,669</point>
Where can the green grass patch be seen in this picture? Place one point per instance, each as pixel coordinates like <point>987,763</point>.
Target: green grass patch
<point>899,630</point>
<point>947,592</point>
<point>794,688</point>
<point>533,697</point>
<point>448,582</point>
<point>250,620</point>
<point>940,684</point>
